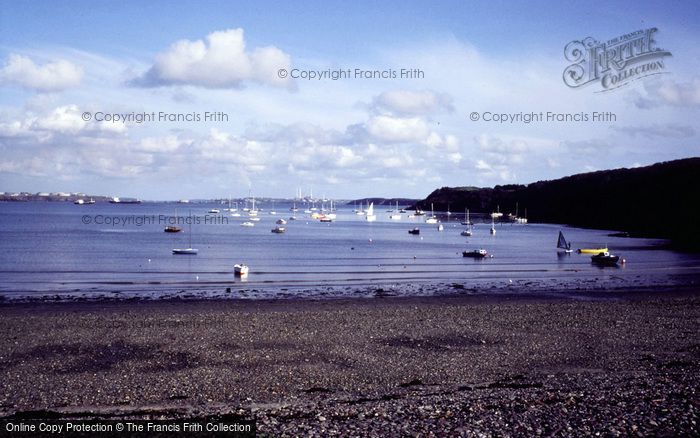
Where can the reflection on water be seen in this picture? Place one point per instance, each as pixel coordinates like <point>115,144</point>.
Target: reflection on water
<point>48,247</point>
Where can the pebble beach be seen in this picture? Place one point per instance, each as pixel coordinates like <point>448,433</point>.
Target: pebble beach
<point>623,364</point>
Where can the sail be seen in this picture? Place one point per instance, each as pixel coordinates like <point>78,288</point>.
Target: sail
<point>370,210</point>
<point>562,243</point>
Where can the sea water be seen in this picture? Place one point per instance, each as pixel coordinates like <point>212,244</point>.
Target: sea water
<point>61,250</point>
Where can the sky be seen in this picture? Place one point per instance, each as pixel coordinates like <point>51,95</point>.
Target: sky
<point>226,122</point>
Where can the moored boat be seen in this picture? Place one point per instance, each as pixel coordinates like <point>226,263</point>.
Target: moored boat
<point>592,250</point>
<point>185,251</point>
<point>240,270</point>
<point>189,250</point>
<point>279,230</point>
<point>467,222</point>
<point>370,216</point>
<point>415,231</point>
<point>605,259</point>
<point>477,253</point>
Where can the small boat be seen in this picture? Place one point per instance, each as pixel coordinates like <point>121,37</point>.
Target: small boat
<point>280,222</point>
<point>415,231</point>
<point>189,250</point>
<point>468,231</point>
<point>441,227</point>
<point>325,219</point>
<point>605,259</point>
<point>116,200</point>
<point>419,213</point>
<point>497,213</point>
<point>185,251</point>
<point>78,202</point>
<point>592,250</point>
<point>466,217</point>
<point>477,253</point>
<point>402,210</point>
<point>279,230</point>
<point>91,201</point>
<point>292,218</point>
<point>371,217</point>
<point>235,214</point>
<point>254,219</point>
<point>493,226</point>
<point>247,224</point>
<point>395,215</point>
<point>432,219</point>
<point>240,270</point>
<point>214,211</point>
<point>172,229</point>
<point>563,244</point>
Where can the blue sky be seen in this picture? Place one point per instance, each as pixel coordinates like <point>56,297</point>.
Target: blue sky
<point>346,138</point>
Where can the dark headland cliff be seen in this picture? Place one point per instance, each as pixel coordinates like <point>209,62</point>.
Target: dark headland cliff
<point>661,200</point>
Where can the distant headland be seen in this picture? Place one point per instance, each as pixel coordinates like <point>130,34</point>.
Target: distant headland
<point>661,200</point>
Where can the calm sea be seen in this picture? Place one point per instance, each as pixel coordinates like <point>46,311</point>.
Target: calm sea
<point>120,250</point>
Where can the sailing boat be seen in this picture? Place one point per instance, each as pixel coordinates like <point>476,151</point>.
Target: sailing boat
<point>563,244</point>
<point>371,217</point>
<point>493,226</point>
<point>189,250</point>
<point>331,212</point>
<point>395,215</point>
<point>253,211</point>
<point>432,219</point>
<point>466,217</point>
<point>468,231</point>
<point>497,213</point>
<point>234,211</point>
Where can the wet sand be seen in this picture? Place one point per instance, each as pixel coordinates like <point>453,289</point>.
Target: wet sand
<point>618,364</point>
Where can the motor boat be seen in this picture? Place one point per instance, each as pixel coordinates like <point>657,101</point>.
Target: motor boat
<point>240,270</point>
<point>477,253</point>
<point>605,259</point>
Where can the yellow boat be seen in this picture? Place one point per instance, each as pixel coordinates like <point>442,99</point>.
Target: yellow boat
<point>591,250</point>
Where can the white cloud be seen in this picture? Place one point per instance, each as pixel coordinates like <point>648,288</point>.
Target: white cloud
<point>220,61</point>
<point>670,92</point>
<point>398,129</point>
<point>501,151</point>
<point>53,76</point>
<point>413,102</point>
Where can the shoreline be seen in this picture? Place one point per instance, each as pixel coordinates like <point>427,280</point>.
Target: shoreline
<point>597,288</point>
<point>616,363</point>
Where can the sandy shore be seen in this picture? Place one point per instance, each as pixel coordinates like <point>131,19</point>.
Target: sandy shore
<point>522,366</point>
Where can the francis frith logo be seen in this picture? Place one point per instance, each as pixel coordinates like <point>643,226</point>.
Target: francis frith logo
<point>615,62</point>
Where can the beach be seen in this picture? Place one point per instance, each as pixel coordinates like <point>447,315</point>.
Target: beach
<point>461,365</point>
